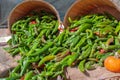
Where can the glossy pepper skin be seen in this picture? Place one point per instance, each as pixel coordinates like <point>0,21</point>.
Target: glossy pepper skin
<point>81,66</point>
<point>45,59</point>
<point>42,49</point>
<point>72,58</point>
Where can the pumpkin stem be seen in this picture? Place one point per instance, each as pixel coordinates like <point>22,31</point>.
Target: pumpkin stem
<point>117,55</point>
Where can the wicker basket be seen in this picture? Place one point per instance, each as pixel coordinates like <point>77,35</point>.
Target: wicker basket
<point>27,6</point>
<point>84,7</point>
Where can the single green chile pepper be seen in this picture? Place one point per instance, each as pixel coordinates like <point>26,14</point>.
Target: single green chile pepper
<point>45,59</point>
<point>117,41</point>
<point>24,67</point>
<point>48,32</point>
<point>16,51</point>
<point>52,49</point>
<point>70,39</point>
<point>85,54</point>
<point>34,77</point>
<point>98,55</point>
<point>28,75</point>
<point>16,69</point>
<point>89,65</point>
<point>73,57</point>
<point>61,37</point>
<point>117,29</point>
<point>75,41</point>
<point>112,47</point>
<point>93,50</point>
<point>48,45</point>
<point>109,41</point>
<point>57,50</point>
<point>66,36</point>
<point>98,18</point>
<point>85,47</point>
<point>102,24</point>
<point>89,42</point>
<point>57,73</point>
<point>56,27</point>
<point>89,33</point>
<point>34,59</point>
<point>81,65</point>
<point>80,22</point>
<point>64,60</point>
<point>83,27</point>
<point>80,43</point>
<point>100,39</point>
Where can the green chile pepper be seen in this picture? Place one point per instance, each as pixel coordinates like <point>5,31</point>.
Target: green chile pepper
<point>83,27</point>
<point>89,33</point>
<point>16,51</point>
<point>89,65</point>
<point>117,29</point>
<point>112,47</point>
<point>61,37</point>
<point>56,27</point>
<point>75,41</point>
<point>24,67</point>
<point>93,50</point>
<point>81,65</point>
<point>42,49</point>
<point>28,75</point>
<point>73,57</point>
<point>57,50</point>
<point>80,43</point>
<point>85,54</point>
<point>85,47</point>
<point>45,59</point>
<point>16,69</point>
<point>52,49</point>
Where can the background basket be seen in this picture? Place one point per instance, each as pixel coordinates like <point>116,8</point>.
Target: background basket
<point>27,6</point>
<point>84,7</point>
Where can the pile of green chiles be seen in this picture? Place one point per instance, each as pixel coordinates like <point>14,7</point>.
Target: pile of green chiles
<point>45,51</point>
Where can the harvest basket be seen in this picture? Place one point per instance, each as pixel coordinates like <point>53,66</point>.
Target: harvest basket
<point>26,7</point>
<point>84,7</point>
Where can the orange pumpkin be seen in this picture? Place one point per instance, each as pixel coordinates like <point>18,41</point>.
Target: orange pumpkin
<point>112,63</point>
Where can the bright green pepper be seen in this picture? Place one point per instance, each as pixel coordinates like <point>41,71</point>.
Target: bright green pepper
<point>45,59</point>
<point>28,75</point>
<point>80,43</point>
<point>83,27</point>
<point>71,59</point>
<point>85,54</point>
<point>56,27</point>
<point>81,65</point>
<point>40,51</point>
<point>117,29</point>
<point>75,41</point>
<point>89,65</point>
